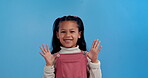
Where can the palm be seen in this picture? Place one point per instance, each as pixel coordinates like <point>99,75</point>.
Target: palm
<point>94,51</point>
<point>49,58</point>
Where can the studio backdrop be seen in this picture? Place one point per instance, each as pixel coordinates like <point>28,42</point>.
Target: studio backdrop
<point>120,25</point>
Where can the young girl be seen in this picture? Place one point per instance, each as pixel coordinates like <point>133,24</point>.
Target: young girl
<point>69,58</point>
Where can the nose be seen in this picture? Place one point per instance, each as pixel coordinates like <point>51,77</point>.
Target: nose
<point>67,34</point>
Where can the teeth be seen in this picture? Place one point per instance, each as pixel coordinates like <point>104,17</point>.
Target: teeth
<point>67,41</point>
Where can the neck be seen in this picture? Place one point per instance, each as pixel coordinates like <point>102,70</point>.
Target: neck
<point>70,50</point>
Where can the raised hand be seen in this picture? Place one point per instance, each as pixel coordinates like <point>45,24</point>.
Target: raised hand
<point>94,51</point>
<point>49,58</point>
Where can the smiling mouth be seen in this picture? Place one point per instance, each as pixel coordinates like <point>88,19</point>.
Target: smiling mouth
<point>68,40</point>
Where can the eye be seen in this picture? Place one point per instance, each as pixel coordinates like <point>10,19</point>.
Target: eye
<point>72,31</point>
<point>63,31</point>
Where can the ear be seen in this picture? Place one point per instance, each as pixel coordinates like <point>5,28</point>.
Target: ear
<point>79,34</point>
<point>57,34</point>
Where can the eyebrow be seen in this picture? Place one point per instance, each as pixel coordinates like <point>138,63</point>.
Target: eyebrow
<point>69,29</point>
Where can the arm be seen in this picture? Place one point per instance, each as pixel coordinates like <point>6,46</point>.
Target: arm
<point>49,72</point>
<point>93,62</point>
<point>94,69</point>
<point>49,58</point>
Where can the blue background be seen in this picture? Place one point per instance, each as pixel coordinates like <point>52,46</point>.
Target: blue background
<point>121,25</point>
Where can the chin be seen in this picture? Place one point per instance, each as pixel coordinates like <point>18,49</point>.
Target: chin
<point>68,46</point>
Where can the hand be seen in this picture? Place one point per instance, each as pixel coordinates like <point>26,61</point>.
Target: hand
<point>49,58</point>
<point>94,51</point>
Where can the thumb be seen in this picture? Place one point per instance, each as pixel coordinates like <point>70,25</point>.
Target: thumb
<point>55,55</point>
<point>88,54</point>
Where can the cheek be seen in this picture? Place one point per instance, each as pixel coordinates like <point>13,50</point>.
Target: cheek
<point>61,35</point>
<point>76,36</point>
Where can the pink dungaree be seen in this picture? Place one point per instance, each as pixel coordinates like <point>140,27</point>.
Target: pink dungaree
<point>71,65</point>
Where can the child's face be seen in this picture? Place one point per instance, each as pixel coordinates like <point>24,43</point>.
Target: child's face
<point>68,34</point>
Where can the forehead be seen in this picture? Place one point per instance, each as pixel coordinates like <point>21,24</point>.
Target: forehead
<point>68,25</point>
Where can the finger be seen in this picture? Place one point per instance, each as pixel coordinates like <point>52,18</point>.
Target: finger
<point>99,48</point>
<point>98,44</point>
<point>87,53</point>
<point>41,54</point>
<point>44,48</point>
<point>43,45</point>
<point>47,48</point>
<point>54,56</point>
<point>93,45</point>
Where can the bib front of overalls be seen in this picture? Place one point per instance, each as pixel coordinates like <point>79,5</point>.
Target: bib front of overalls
<point>71,65</point>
